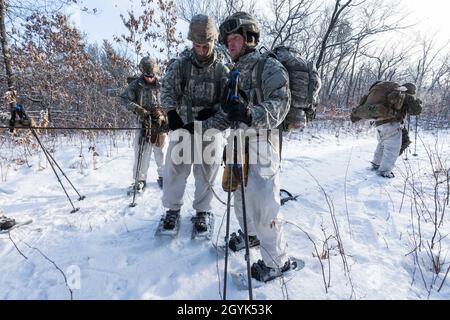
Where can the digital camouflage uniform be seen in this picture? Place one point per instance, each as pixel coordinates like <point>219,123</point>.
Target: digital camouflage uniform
<point>190,87</point>
<point>268,103</point>
<point>141,94</point>
<point>263,187</point>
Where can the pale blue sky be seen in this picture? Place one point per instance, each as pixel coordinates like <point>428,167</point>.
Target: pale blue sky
<point>431,15</point>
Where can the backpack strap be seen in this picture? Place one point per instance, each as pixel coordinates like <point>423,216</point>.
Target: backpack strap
<point>218,71</point>
<point>186,73</point>
<point>311,84</point>
<point>258,93</point>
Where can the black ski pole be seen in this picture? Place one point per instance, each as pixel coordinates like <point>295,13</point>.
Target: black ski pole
<point>234,98</point>
<point>240,170</point>
<point>138,166</point>
<point>407,149</point>
<point>65,176</point>
<point>227,228</point>
<point>22,114</point>
<point>54,170</point>
<point>415,137</point>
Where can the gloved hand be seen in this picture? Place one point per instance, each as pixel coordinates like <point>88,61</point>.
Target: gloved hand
<point>142,113</point>
<point>310,114</point>
<point>26,123</point>
<point>238,112</point>
<point>175,121</point>
<point>189,127</point>
<point>229,106</point>
<point>206,113</point>
<point>354,118</point>
<point>21,123</point>
<point>158,117</point>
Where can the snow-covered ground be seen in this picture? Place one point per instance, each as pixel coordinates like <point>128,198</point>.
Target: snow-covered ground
<point>107,250</point>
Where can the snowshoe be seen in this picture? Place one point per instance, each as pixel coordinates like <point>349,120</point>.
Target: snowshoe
<point>374,166</point>
<point>6,227</point>
<point>202,225</point>
<point>237,241</point>
<point>139,187</point>
<point>160,182</point>
<point>386,174</point>
<point>169,225</point>
<point>6,223</point>
<point>262,274</point>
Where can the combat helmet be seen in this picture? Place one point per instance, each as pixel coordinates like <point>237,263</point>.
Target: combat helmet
<point>202,29</point>
<point>148,66</point>
<point>242,23</point>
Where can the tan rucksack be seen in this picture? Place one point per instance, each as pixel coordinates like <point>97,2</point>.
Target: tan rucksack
<point>384,101</point>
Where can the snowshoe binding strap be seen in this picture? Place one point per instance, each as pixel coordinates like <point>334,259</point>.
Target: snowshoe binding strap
<point>286,196</point>
<point>171,219</point>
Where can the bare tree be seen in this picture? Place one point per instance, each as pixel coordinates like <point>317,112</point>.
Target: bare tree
<point>338,9</point>
<point>217,9</point>
<point>289,21</point>
<point>141,28</point>
<point>429,54</point>
<point>387,61</point>
<point>4,43</point>
<point>168,19</point>
<point>14,12</point>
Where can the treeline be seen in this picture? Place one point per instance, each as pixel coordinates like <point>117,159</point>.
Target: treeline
<point>353,44</point>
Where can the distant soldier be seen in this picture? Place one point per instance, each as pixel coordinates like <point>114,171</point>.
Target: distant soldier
<point>142,97</point>
<point>388,103</point>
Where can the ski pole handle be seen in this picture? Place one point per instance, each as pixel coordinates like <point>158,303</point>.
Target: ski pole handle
<point>234,77</point>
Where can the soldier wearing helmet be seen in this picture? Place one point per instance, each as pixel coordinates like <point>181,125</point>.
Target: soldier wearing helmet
<point>142,97</point>
<point>191,91</point>
<point>262,106</point>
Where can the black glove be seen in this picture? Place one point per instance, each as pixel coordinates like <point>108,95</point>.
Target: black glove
<point>175,121</point>
<point>142,113</point>
<point>237,112</point>
<point>206,113</point>
<point>229,106</point>
<point>158,117</point>
<point>354,118</point>
<point>189,127</point>
<point>310,114</point>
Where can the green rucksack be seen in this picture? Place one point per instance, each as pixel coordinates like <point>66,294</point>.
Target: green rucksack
<point>304,83</point>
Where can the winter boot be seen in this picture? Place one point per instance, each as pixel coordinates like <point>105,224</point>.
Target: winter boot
<point>263,273</point>
<point>160,182</point>
<point>237,241</point>
<point>6,223</point>
<point>200,221</point>
<point>139,187</point>
<point>171,219</point>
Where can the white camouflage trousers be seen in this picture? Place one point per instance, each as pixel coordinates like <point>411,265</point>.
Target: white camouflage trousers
<point>262,199</point>
<point>389,137</point>
<point>147,148</point>
<point>176,173</point>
